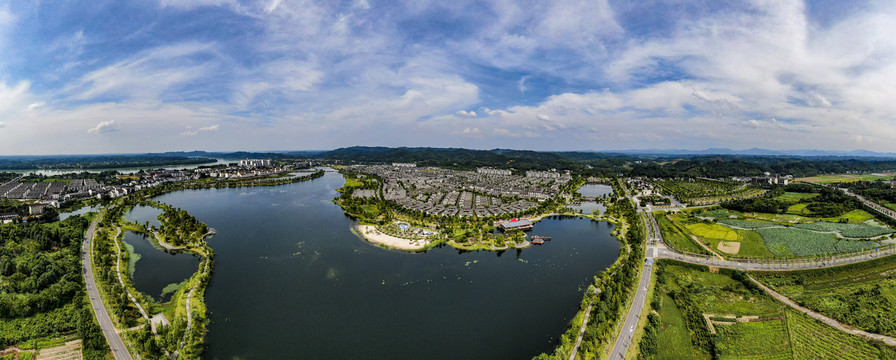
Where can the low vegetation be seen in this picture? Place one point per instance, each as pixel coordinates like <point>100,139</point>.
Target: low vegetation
<point>862,295</point>
<point>703,313</point>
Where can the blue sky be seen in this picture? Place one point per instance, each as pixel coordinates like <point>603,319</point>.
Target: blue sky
<point>149,76</point>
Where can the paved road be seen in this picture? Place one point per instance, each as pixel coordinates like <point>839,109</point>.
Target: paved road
<point>624,340</point>
<point>119,350</point>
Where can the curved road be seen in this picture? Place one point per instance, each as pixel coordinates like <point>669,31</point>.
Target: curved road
<point>119,350</point>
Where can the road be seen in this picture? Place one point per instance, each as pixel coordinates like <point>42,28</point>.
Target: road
<point>624,340</point>
<point>119,350</point>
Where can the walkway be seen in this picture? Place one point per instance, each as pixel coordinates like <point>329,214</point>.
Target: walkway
<point>119,350</point>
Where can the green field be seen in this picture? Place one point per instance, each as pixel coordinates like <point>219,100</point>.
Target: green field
<point>790,241</point>
<point>824,179</point>
<point>813,340</point>
<point>675,236</point>
<point>673,339</point>
<point>754,340</point>
<point>765,328</point>
<point>862,295</point>
<point>795,196</point>
<point>751,243</point>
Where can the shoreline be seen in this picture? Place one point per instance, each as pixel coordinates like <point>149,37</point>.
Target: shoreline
<point>371,234</point>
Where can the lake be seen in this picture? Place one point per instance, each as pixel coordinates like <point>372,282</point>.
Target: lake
<point>595,190</point>
<point>156,268</point>
<point>292,281</point>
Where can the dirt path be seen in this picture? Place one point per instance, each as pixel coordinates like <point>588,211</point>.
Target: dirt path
<point>831,322</point>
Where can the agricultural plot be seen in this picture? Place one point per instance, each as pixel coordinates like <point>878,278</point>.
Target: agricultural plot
<point>767,340</point>
<point>676,237</point>
<point>862,295</point>
<point>766,328</point>
<point>673,339</point>
<point>704,191</point>
<point>788,242</point>
<point>813,340</point>
<point>824,179</point>
<point>743,243</point>
<point>752,225</point>
<point>795,196</point>
<point>847,230</point>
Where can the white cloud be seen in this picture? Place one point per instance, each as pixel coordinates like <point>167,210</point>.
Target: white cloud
<point>467,114</point>
<point>36,106</point>
<point>543,117</point>
<point>2,124</point>
<point>104,127</point>
<point>202,129</point>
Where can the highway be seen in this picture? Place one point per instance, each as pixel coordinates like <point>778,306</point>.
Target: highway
<point>119,350</point>
<point>624,339</point>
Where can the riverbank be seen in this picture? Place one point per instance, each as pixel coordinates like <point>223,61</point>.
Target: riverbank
<point>370,233</point>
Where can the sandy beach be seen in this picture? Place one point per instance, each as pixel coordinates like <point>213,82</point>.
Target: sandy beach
<point>370,233</point>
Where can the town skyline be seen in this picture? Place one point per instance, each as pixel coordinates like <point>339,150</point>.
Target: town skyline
<point>158,76</point>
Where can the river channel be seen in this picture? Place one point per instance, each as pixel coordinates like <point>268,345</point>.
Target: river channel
<point>292,281</point>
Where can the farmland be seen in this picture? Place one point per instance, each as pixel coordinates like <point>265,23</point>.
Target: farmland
<point>750,236</point>
<point>836,178</point>
<point>862,295</point>
<point>703,191</point>
<point>745,322</point>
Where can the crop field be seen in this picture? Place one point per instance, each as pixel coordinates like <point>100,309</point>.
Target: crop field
<point>795,196</point>
<point>823,179</point>
<point>752,225</point>
<point>765,340</point>
<point>673,339</point>
<point>813,340</point>
<point>704,191</point>
<point>862,295</point>
<point>802,243</point>
<point>847,230</point>
<point>685,293</point>
<point>750,243</point>
<point>676,237</point>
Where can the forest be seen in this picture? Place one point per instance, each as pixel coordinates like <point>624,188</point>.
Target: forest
<point>96,161</point>
<point>42,293</point>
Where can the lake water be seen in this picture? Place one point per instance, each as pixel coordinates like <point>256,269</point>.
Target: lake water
<point>83,210</point>
<point>588,207</point>
<point>157,268</point>
<point>595,190</point>
<point>292,281</point>
<point>141,214</point>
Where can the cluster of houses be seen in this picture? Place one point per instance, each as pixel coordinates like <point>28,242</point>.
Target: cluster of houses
<point>484,193</point>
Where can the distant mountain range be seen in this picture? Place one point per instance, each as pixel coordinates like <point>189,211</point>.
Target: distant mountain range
<point>754,152</point>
